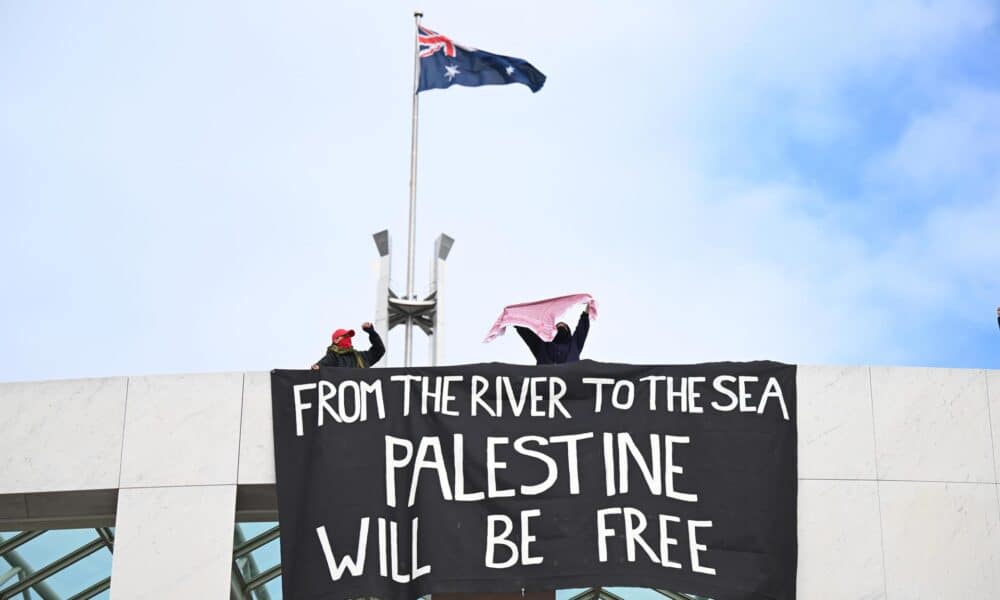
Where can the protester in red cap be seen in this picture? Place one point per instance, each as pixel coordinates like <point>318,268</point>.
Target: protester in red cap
<point>342,354</point>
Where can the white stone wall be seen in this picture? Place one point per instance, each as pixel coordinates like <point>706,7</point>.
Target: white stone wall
<point>898,476</point>
<point>898,481</point>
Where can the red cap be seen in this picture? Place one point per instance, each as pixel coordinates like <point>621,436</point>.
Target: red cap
<point>336,334</point>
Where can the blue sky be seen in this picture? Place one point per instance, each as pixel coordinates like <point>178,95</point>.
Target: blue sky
<point>193,186</point>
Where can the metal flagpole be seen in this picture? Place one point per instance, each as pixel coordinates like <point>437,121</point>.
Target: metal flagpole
<point>408,344</point>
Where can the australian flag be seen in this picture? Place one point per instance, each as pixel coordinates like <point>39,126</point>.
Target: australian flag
<point>444,63</point>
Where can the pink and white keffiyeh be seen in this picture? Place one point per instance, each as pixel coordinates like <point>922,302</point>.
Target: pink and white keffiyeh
<point>540,316</point>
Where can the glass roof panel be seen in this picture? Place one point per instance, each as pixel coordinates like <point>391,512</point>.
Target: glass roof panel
<point>251,530</point>
<point>53,544</point>
<point>268,555</point>
<point>272,590</point>
<point>58,563</point>
<point>257,551</point>
<point>82,574</point>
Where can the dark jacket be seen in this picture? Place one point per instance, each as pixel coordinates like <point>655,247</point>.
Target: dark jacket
<point>349,359</point>
<point>563,348</point>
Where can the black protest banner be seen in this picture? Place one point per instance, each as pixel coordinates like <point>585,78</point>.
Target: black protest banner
<point>396,483</point>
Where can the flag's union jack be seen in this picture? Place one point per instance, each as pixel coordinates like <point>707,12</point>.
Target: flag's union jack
<point>431,42</point>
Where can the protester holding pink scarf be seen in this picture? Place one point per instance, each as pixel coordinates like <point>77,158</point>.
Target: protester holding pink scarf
<point>549,342</point>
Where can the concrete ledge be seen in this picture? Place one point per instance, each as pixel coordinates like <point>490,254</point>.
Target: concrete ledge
<point>58,510</point>
<point>256,503</point>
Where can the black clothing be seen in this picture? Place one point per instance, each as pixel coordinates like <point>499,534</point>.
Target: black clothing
<point>350,358</point>
<point>564,348</point>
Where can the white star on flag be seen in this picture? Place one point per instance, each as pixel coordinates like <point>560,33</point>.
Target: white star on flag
<point>510,70</point>
<point>451,71</point>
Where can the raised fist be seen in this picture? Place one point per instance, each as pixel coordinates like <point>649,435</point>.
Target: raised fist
<point>366,326</point>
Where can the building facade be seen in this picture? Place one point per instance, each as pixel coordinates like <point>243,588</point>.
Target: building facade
<point>898,477</point>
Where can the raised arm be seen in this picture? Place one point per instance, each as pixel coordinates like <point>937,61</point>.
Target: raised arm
<point>377,351</point>
<point>582,329</point>
<point>531,339</point>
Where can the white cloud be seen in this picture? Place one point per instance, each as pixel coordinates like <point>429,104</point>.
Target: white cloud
<point>945,152</point>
